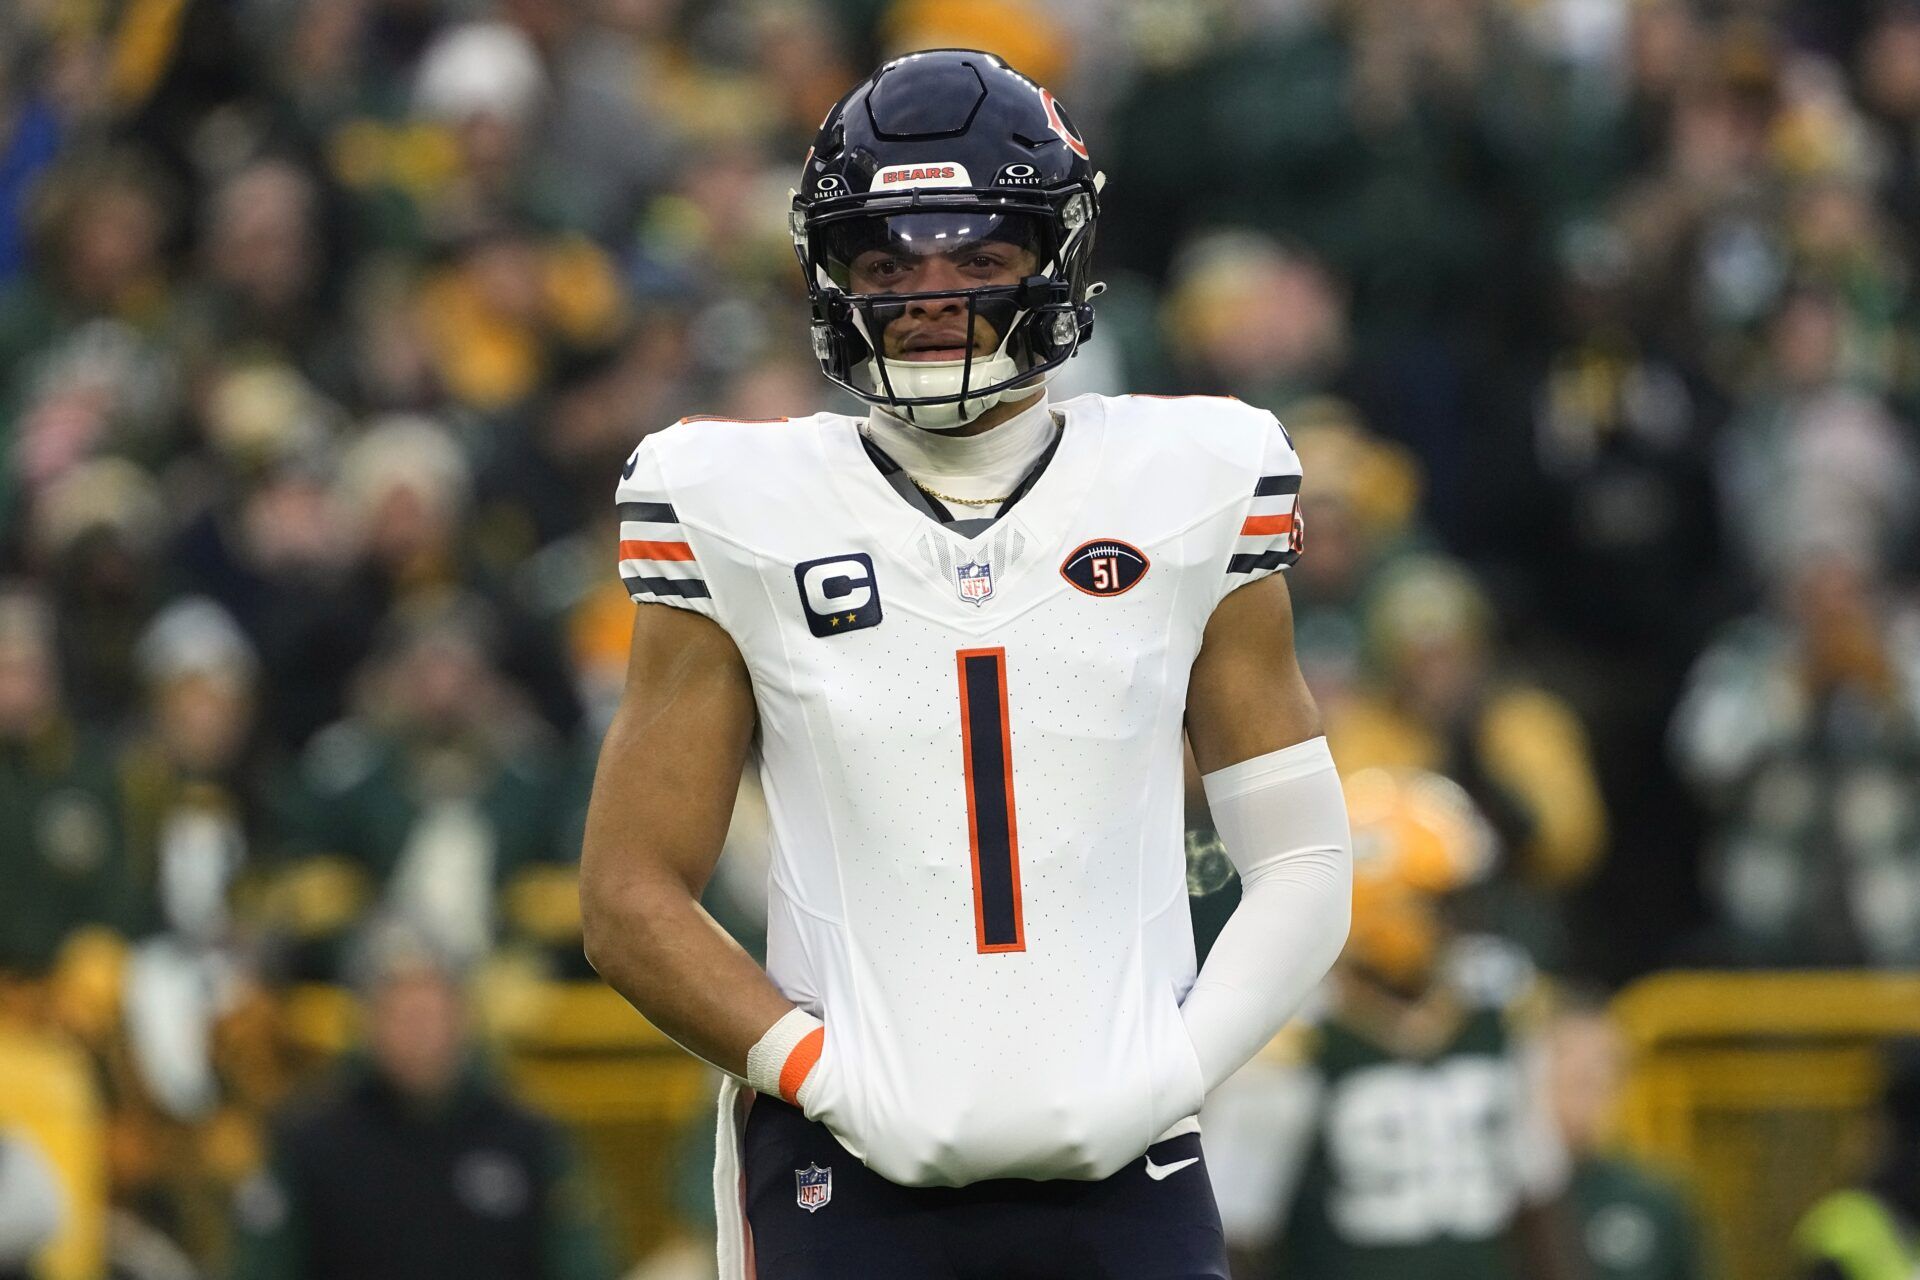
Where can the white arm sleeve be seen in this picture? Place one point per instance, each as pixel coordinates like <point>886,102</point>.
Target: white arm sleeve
<point>1283,820</point>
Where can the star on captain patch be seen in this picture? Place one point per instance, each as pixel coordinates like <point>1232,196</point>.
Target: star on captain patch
<point>976,581</point>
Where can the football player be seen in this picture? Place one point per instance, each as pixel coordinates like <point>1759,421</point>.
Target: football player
<point>960,639</point>
<point>1401,1130</point>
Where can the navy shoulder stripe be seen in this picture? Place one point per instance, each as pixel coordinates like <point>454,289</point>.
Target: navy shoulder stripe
<point>1248,562</point>
<point>653,512</point>
<point>1276,486</point>
<point>691,588</point>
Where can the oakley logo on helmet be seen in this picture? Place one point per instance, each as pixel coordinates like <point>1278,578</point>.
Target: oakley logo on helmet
<point>905,177</point>
<point>827,182</point>
<point>1018,175</point>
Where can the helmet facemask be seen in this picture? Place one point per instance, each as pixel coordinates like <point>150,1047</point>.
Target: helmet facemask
<point>1015,334</point>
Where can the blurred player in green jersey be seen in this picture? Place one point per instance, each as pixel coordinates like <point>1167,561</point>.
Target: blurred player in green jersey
<point>1399,1132</point>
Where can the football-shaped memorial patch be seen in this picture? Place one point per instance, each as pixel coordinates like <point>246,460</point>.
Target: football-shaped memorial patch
<point>1104,567</point>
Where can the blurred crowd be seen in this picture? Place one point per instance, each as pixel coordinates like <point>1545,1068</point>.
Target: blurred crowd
<point>325,326</point>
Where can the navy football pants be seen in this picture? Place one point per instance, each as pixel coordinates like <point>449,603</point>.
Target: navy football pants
<point>1129,1227</point>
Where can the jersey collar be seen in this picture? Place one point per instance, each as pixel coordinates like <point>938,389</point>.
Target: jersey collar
<point>1046,512</point>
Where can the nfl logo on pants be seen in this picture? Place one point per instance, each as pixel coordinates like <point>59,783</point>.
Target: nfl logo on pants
<point>813,1187</point>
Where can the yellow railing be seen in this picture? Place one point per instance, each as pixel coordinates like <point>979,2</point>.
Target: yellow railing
<point>1759,1089</point>
<point>581,1054</point>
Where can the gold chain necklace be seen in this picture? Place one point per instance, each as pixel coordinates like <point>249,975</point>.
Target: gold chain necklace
<point>947,497</point>
<point>1058,423</point>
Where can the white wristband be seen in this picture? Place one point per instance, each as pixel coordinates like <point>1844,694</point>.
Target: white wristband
<point>783,1059</point>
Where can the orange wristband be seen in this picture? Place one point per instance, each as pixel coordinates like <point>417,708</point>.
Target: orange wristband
<point>785,1056</point>
<point>799,1064</point>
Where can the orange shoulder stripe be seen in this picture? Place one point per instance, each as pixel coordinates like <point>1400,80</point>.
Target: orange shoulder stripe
<point>634,549</point>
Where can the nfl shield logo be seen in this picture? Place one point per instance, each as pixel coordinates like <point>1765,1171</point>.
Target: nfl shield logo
<point>813,1187</point>
<point>976,582</point>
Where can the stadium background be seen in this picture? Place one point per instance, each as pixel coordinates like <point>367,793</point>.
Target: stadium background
<point>324,328</point>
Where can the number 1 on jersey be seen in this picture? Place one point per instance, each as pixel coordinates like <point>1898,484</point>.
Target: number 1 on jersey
<point>987,751</point>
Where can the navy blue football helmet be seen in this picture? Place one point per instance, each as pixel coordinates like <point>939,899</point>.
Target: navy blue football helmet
<point>936,151</point>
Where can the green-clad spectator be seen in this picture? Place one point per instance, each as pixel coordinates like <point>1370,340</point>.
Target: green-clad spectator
<point>1800,730</point>
<point>193,783</point>
<point>84,365</point>
<point>1633,1224</point>
<point>63,860</point>
<point>416,1164</point>
<point>438,791</point>
<point>1869,1232</point>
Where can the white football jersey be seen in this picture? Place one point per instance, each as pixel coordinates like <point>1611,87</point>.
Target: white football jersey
<point>971,754</point>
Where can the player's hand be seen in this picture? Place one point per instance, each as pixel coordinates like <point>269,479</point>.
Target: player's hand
<point>1015,1130</point>
<point>1181,1097</point>
<point>826,1099</point>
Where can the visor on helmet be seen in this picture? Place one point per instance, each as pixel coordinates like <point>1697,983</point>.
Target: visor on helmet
<point>907,236</point>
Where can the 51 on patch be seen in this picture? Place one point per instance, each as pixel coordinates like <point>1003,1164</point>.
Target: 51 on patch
<point>1105,567</point>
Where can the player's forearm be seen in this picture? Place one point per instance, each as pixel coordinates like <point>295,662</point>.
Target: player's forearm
<point>1283,820</point>
<point>1278,945</point>
<point>657,946</point>
<point>662,796</point>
